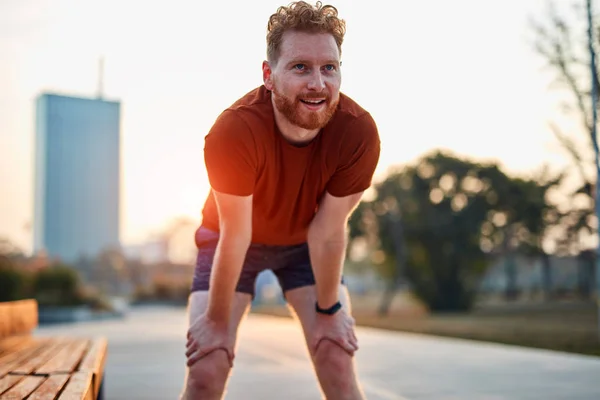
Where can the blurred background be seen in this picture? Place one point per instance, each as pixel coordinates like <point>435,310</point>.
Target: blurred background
<point>480,223</point>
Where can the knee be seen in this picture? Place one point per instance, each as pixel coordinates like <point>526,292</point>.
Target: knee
<point>208,375</point>
<point>336,362</point>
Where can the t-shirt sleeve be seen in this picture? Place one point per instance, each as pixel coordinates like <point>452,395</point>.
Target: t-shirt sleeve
<point>358,158</point>
<point>230,155</point>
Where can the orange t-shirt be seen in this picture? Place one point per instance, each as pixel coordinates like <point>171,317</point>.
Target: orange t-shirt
<point>246,154</point>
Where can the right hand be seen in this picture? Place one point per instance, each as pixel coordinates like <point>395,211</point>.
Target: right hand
<point>338,328</point>
<point>206,336</point>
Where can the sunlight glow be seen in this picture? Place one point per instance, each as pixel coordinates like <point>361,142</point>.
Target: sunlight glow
<point>442,79</point>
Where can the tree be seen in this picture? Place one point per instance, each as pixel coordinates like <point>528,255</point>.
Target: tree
<point>531,216</point>
<point>438,223</point>
<point>569,47</point>
<point>58,286</point>
<point>13,282</point>
<point>562,43</point>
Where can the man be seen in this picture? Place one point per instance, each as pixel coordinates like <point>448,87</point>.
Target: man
<point>287,164</point>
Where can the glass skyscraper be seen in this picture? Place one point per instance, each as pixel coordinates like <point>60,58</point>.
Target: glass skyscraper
<point>77,176</point>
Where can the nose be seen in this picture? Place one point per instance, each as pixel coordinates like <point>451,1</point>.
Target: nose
<point>316,81</point>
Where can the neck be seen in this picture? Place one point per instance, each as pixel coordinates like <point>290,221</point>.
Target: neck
<point>292,133</point>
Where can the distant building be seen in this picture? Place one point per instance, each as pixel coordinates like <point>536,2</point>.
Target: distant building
<point>77,168</point>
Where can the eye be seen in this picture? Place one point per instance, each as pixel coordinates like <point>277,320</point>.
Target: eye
<point>330,67</point>
<point>300,67</point>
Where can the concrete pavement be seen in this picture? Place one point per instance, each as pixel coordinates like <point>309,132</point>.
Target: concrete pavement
<point>147,361</point>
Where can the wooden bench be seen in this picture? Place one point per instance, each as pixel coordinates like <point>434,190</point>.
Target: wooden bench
<point>46,368</point>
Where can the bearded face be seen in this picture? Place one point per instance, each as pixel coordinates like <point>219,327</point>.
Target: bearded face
<point>308,110</point>
<point>305,80</point>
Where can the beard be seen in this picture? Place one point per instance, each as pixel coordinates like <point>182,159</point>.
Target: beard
<point>299,115</point>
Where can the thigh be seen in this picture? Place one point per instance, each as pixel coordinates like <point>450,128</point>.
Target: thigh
<point>294,269</point>
<point>206,243</point>
<point>302,302</point>
<point>198,303</point>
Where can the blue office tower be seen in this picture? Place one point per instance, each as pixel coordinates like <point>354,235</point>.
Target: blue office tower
<point>77,171</point>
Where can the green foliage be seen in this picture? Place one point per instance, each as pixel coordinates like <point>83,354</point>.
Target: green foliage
<point>53,286</point>
<point>13,283</point>
<point>443,218</point>
<point>57,286</point>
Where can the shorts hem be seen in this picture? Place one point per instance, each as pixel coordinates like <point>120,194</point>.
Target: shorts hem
<point>205,289</point>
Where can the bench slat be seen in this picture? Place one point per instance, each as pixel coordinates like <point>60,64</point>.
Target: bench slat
<point>48,367</point>
<point>13,360</point>
<point>50,388</point>
<point>16,351</point>
<point>22,389</point>
<point>18,317</point>
<point>66,359</point>
<point>46,353</point>
<point>94,361</point>
<point>79,387</point>
<point>9,381</point>
<point>11,344</point>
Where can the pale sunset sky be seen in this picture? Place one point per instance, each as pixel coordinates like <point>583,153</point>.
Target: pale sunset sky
<point>458,75</point>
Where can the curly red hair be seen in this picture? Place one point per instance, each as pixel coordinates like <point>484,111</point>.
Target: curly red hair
<point>301,16</point>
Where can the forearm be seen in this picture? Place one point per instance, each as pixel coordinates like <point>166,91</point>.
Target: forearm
<point>327,249</point>
<point>226,269</point>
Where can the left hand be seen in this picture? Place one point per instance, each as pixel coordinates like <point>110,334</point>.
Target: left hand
<point>338,328</point>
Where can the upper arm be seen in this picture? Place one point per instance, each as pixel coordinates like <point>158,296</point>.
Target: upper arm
<point>235,215</point>
<point>332,215</point>
<point>231,165</point>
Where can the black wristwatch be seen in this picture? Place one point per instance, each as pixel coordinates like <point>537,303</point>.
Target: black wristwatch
<point>328,311</point>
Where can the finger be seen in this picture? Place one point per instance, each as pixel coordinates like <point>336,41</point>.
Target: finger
<point>191,349</point>
<point>353,344</point>
<point>190,343</point>
<point>349,347</point>
<point>351,337</point>
<point>195,357</point>
<point>198,354</point>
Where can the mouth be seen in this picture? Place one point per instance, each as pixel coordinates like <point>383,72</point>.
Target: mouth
<point>313,104</point>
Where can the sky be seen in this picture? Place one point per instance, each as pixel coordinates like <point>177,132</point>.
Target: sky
<point>458,75</point>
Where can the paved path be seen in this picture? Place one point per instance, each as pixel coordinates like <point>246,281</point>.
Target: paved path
<point>147,361</point>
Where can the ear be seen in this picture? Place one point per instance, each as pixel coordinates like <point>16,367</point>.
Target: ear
<point>267,75</point>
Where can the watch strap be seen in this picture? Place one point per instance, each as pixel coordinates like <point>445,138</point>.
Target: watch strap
<point>328,311</point>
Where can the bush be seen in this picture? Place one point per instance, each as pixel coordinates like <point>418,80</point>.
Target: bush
<point>57,286</point>
<point>12,285</point>
<point>13,282</point>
